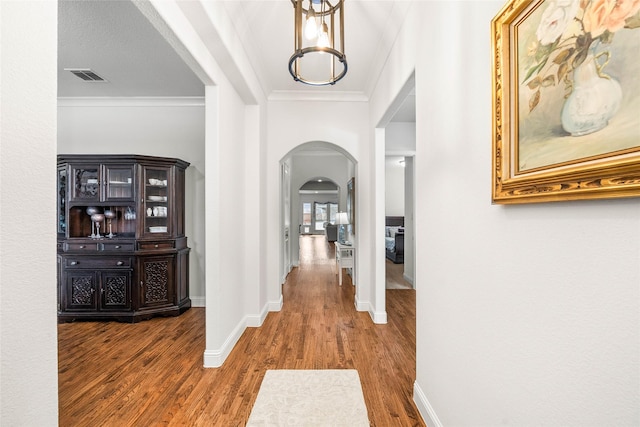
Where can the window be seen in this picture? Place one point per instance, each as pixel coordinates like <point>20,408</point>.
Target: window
<point>321,215</point>
<point>306,214</point>
<point>324,212</point>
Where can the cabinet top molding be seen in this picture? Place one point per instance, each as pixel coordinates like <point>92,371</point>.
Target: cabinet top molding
<point>118,158</point>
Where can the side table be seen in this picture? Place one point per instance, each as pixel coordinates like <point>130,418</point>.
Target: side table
<point>345,258</point>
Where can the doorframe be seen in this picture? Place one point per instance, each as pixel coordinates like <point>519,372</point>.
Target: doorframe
<point>380,190</point>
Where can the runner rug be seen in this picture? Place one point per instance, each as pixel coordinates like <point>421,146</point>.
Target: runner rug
<point>331,397</point>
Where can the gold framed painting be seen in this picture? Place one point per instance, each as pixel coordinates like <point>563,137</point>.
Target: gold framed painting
<point>566,100</point>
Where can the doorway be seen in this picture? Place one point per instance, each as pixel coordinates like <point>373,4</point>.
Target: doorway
<point>319,173</point>
<point>398,222</point>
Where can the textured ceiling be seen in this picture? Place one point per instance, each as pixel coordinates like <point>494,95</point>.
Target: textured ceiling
<point>118,43</point>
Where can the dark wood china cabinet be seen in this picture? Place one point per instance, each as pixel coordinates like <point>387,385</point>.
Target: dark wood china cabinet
<point>122,249</point>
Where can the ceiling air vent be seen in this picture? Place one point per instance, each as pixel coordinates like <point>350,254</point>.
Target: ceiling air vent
<point>85,74</point>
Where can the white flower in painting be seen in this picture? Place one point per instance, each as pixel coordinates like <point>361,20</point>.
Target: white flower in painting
<point>555,19</point>
<point>568,31</point>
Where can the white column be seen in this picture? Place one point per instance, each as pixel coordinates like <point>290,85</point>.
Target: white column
<point>28,323</point>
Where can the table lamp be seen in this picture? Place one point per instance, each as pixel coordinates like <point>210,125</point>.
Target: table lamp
<point>341,220</point>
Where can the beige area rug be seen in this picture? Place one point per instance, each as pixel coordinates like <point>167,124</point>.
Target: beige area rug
<point>331,397</point>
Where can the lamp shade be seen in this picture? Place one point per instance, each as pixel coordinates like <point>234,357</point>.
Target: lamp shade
<point>342,218</point>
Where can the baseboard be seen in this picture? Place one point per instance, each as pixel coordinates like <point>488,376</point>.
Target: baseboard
<point>424,407</point>
<point>275,305</point>
<point>362,306</point>
<point>258,320</point>
<point>379,317</point>
<point>408,279</point>
<point>286,274</point>
<point>198,301</point>
<point>215,358</point>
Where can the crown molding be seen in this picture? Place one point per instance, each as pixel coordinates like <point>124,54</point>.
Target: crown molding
<point>132,101</point>
<point>400,153</point>
<point>318,191</point>
<point>307,95</point>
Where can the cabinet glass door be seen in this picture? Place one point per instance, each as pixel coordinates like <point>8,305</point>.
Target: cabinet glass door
<point>119,183</point>
<point>85,183</point>
<point>156,201</point>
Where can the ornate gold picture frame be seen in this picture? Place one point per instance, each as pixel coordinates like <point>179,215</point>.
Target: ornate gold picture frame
<point>566,100</point>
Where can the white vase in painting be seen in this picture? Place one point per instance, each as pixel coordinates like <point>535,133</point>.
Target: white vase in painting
<point>594,100</point>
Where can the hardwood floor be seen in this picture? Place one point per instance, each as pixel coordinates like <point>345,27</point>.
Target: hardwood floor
<point>151,374</point>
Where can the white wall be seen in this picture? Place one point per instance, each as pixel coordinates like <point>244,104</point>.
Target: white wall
<point>155,127</point>
<point>409,226</point>
<point>400,138</point>
<point>28,321</point>
<point>526,315</point>
<point>235,135</point>
<point>394,186</point>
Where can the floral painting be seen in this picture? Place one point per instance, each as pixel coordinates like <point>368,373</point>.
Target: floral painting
<point>579,81</point>
<point>566,100</point>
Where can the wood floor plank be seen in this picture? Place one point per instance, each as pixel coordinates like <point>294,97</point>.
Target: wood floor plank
<point>150,373</point>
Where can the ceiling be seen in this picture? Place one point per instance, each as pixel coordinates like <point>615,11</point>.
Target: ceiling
<point>117,42</point>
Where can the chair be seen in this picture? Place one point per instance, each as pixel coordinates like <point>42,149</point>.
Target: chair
<point>331,232</point>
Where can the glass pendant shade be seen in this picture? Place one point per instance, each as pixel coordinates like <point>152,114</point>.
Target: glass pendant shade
<point>323,31</point>
<point>311,27</point>
<point>323,36</point>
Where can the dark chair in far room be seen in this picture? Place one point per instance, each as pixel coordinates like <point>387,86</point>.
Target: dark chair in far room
<point>331,232</point>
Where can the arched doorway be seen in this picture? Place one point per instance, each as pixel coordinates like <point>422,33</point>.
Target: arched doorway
<point>301,169</point>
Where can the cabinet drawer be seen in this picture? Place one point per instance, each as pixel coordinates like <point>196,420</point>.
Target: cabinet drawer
<point>97,263</point>
<point>149,246</point>
<point>118,247</point>
<point>80,247</point>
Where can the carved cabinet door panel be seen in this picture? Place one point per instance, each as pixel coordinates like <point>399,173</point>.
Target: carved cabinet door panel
<point>156,281</point>
<point>115,290</point>
<point>81,289</point>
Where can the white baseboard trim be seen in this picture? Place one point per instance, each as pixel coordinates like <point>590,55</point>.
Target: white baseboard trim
<point>379,318</point>
<point>362,306</point>
<point>276,305</point>
<point>215,358</point>
<point>258,320</point>
<point>424,407</point>
<point>198,301</point>
<point>408,279</point>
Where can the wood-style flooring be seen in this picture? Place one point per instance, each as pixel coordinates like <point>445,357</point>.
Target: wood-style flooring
<point>151,374</point>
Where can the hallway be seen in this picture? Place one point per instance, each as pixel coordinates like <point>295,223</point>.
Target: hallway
<point>151,373</point>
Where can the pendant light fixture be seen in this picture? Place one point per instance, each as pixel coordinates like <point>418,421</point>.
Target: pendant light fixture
<point>318,58</point>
